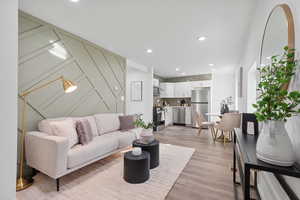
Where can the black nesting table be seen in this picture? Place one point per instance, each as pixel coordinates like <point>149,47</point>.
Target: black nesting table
<point>152,148</point>
<point>244,157</point>
<point>136,168</point>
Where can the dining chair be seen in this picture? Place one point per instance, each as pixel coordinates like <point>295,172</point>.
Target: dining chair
<point>228,122</point>
<point>202,123</point>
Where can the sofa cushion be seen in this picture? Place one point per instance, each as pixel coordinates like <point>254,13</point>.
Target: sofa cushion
<point>126,138</point>
<point>107,122</point>
<point>100,146</point>
<point>92,123</point>
<point>45,127</point>
<point>65,128</point>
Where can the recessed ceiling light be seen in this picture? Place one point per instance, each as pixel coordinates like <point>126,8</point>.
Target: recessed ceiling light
<point>149,50</point>
<point>177,69</point>
<point>202,38</point>
<point>211,64</point>
<point>74,1</point>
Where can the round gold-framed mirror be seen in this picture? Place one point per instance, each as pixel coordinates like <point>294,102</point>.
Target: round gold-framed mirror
<point>279,32</point>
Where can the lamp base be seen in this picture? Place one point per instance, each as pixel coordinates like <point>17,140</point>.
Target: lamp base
<point>22,184</point>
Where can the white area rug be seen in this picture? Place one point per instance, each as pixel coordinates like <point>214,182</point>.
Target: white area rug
<point>103,180</point>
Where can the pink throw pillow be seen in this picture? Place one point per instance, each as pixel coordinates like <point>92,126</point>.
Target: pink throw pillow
<point>127,122</point>
<point>84,131</point>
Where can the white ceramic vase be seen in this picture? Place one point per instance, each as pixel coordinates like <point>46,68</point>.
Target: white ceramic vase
<point>274,145</point>
<point>147,136</point>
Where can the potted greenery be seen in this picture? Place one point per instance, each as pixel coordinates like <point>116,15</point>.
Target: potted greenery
<point>274,106</point>
<point>225,104</point>
<point>146,135</point>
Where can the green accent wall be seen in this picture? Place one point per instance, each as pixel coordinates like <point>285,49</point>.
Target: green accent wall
<point>47,52</point>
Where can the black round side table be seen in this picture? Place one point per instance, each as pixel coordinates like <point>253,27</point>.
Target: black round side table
<point>152,148</point>
<point>136,168</point>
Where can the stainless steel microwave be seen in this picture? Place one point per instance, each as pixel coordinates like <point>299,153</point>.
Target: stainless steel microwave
<point>156,91</point>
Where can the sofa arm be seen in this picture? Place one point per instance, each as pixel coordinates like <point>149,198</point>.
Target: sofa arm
<point>47,153</point>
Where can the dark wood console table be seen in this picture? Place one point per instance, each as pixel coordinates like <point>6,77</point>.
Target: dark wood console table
<point>244,157</point>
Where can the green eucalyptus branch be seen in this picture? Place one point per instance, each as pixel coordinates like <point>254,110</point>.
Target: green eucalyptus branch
<point>140,123</point>
<point>274,101</point>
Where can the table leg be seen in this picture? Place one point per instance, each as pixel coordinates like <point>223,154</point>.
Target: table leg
<point>234,160</point>
<point>216,133</point>
<point>222,138</point>
<point>255,179</point>
<point>247,183</point>
<point>211,128</point>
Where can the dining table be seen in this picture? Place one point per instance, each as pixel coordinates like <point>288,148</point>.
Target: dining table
<point>221,137</point>
<point>213,114</point>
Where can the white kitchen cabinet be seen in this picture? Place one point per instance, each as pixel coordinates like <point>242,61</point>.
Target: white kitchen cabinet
<point>182,90</point>
<point>206,83</point>
<point>198,84</point>
<point>166,90</point>
<point>179,90</point>
<point>188,116</point>
<point>155,82</point>
<point>188,89</point>
<point>168,116</point>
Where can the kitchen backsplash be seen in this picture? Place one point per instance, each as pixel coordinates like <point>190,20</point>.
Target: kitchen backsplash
<point>175,101</point>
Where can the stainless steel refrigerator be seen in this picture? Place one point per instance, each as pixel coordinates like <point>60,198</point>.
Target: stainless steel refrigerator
<point>200,102</point>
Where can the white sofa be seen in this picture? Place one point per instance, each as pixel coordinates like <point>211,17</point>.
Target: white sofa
<point>52,156</point>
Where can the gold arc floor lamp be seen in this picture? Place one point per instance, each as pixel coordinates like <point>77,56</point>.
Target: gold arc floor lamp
<point>68,87</point>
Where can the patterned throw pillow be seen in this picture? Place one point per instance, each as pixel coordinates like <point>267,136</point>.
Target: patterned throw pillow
<point>126,122</point>
<point>84,131</point>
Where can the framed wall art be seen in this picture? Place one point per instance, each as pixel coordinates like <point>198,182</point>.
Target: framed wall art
<point>136,90</point>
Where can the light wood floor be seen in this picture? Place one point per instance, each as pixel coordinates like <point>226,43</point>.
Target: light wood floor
<point>207,176</point>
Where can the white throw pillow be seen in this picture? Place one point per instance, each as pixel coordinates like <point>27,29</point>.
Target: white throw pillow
<point>65,128</point>
<point>45,126</point>
<point>107,122</point>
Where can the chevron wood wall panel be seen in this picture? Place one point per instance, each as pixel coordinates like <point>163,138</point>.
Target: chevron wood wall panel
<point>46,52</point>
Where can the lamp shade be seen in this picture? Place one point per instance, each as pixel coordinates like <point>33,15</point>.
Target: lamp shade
<point>69,86</point>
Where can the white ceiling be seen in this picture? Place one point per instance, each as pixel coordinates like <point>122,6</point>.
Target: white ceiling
<point>169,27</point>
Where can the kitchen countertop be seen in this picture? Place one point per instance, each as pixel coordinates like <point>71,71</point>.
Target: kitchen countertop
<point>178,106</point>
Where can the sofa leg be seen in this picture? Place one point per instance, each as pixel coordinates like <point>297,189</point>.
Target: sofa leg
<point>57,184</point>
<point>34,172</point>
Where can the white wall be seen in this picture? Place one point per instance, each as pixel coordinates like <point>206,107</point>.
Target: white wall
<point>251,88</point>
<point>252,48</point>
<point>223,85</point>
<point>251,55</point>
<point>136,72</point>
<point>8,105</point>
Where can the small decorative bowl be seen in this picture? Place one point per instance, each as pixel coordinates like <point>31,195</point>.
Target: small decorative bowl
<point>136,151</point>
